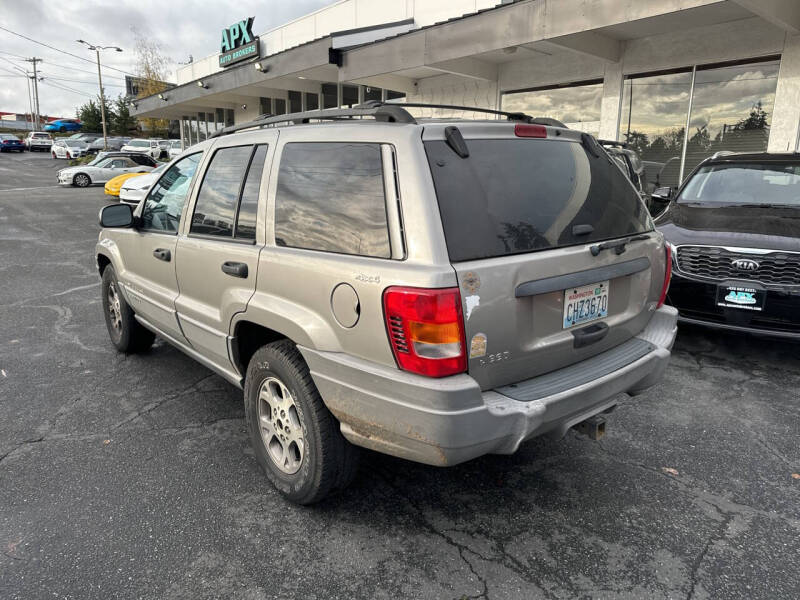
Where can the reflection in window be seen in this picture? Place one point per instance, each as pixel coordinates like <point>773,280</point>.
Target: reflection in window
<point>248,205</point>
<point>164,204</point>
<point>330,197</point>
<point>731,110</point>
<point>219,192</point>
<point>577,106</point>
<point>653,120</point>
<point>372,93</point>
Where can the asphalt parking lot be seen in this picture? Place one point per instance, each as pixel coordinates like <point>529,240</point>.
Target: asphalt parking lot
<point>133,477</point>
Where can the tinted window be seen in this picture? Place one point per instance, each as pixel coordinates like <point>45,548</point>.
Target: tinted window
<point>164,204</point>
<point>216,202</point>
<point>330,197</point>
<point>773,183</point>
<point>517,195</point>
<point>248,206</point>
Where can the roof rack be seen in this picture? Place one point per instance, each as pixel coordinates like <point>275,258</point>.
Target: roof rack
<point>388,112</point>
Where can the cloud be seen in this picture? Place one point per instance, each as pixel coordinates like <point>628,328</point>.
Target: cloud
<point>183,27</point>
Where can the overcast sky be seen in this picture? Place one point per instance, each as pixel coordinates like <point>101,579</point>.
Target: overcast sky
<point>183,27</point>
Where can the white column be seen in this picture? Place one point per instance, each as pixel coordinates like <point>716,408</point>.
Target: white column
<point>783,134</point>
<point>611,103</point>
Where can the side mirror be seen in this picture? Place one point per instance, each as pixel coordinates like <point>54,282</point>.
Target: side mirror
<point>116,215</point>
<point>662,194</point>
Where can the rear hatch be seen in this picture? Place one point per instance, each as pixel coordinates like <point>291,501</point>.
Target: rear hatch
<point>528,223</point>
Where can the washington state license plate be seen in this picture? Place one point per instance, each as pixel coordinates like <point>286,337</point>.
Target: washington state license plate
<point>585,303</point>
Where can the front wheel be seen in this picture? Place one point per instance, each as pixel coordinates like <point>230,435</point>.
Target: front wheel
<point>81,180</point>
<point>126,333</point>
<point>295,438</point>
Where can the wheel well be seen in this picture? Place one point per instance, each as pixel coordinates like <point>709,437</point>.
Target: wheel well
<point>102,262</point>
<point>249,337</point>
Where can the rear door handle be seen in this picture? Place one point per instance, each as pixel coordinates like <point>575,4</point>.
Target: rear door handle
<point>162,254</point>
<point>235,269</point>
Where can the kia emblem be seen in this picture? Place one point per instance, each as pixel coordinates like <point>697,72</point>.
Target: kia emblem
<point>744,264</point>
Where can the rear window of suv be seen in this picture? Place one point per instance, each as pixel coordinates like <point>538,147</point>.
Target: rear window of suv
<point>511,196</point>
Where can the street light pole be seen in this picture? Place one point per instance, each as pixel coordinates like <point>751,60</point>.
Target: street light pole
<point>100,82</point>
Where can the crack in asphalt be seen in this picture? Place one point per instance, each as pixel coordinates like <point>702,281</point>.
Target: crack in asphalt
<point>506,560</point>
<point>698,561</point>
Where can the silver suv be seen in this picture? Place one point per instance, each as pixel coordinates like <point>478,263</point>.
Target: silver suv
<point>434,290</point>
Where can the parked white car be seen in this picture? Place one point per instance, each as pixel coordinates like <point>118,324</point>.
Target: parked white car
<point>69,148</point>
<point>136,188</point>
<point>38,140</point>
<point>103,169</point>
<point>150,147</point>
<point>175,148</point>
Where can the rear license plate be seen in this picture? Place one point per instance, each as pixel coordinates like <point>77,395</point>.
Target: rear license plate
<point>585,303</point>
<point>741,297</point>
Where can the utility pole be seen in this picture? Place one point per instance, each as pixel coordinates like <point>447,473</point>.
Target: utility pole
<point>100,82</point>
<point>35,60</point>
<point>30,102</point>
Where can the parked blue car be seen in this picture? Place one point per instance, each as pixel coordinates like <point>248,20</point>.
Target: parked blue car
<point>63,125</point>
<point>10,142</point>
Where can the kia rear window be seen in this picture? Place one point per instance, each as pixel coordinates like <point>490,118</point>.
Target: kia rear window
<point>512,196</point>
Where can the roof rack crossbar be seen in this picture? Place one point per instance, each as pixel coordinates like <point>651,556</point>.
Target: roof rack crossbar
<point>390,112</point>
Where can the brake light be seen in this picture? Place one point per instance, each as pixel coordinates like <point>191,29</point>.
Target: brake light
<point>531,131</point>
<point>426,330</point>
<point>667,277</point>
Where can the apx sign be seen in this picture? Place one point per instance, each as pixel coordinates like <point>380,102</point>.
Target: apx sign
<point>238,43</point>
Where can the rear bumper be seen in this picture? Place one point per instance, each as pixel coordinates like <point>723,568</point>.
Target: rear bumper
<point>448,421</point>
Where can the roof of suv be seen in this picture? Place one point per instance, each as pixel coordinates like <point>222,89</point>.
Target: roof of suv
<point>753,157</point>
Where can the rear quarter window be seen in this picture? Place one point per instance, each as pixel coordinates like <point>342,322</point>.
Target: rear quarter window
<point>330,197</point>
<point>511,196</point>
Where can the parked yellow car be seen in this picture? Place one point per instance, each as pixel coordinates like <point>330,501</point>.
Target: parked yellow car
<point>113,185</point>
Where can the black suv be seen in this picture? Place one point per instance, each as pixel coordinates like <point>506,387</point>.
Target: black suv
<point>734,227</point>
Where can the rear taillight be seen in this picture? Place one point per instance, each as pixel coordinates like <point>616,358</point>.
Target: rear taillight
<point>532,131</point>
<point>426,330</point>
<point>667,277</point>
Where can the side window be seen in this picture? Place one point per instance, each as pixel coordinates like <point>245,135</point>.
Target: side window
<point>248,205</point>
<point>118,164</point>
<point>164,203</point>
<point>215,209</point>
<point>330,197</point>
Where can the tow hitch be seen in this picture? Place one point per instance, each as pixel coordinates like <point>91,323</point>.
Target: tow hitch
<point>593,427</point>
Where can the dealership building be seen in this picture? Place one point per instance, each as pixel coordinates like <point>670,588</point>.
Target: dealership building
<point>641,71</point>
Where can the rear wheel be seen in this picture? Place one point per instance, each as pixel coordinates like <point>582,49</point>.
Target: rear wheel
<point>81,180</point>
<point>126,333</point>
<point>295,438</point>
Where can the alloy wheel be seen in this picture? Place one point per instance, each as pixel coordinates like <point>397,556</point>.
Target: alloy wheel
<point>280,426</point>
<point>114,308</point>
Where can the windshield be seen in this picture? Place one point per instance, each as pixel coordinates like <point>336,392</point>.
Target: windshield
<point>521,195</point>
<point>74,143</point>
<point>139,143</point>
<point>739,184</point>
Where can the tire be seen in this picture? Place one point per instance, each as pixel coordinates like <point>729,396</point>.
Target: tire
<point>54,155</point>
<point>311,459</point>
<point>81,180</point>
<point>126,333</point>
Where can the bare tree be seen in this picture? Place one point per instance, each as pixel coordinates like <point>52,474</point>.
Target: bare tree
<point>151,67</point>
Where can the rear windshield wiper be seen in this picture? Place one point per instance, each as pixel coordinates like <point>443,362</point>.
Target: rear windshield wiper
<point>617,245</point>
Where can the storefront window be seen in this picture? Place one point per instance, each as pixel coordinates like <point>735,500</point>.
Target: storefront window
<point>312,101</point>
<point>577,106</point>
<point>372,93</point>
<point>264,106</point>
<point>280,106</point>
<point>349,95</point>
<point>392,95</point>
<point>295,102</point>
<point>329,95</point>
<point>731,110</point>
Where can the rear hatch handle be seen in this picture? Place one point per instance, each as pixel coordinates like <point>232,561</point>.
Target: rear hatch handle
<point>617,245</point>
